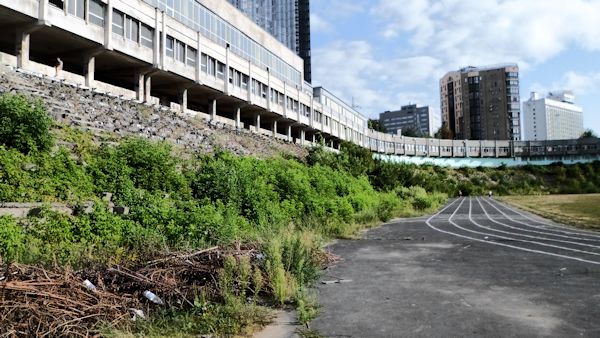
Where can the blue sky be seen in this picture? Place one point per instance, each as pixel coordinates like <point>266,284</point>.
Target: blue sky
<point>388,53</point>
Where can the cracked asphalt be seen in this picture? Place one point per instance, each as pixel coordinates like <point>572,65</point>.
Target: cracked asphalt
<point>477,268</point>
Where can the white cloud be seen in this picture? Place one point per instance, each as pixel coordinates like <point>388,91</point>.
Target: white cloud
<point>318,24</point>
<point>580,83</point>
<point>482,32</point>
<point>351,70</point>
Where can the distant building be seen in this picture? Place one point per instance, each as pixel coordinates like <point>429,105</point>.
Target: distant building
<point>287,20</point>
<point>554,117</point>
<point>408,117</point>
<point>482,103</point>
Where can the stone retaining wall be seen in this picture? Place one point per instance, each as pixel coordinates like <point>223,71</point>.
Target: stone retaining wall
<point>105,113</point>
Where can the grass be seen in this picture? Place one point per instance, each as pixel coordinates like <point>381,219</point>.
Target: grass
<point>578,210</point>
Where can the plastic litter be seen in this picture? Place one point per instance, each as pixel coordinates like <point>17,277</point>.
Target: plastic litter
<point>88,285</point>
<point>153,298</point>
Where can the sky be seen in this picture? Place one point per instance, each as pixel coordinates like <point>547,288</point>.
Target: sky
<point>383,54</point>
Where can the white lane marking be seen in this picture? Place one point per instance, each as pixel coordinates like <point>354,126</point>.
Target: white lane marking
<point>581,232</point>
<point>428,223</point>
<point>532,231</point>
<point>521,240</point>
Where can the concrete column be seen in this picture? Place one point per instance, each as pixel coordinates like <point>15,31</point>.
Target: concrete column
<point>496,148</point>
<point>108,21</point>
<point>198,57</point>
<point>249,82</point>
<point>213,110</point>
<point>147,87</point>
<point>302,136</point>
<point>163,41</point>
<point>183,100</point>
<point>274,128</point>
<point>43,12</point>
<point>157,40</point>
<point>285,99</point>
<point>227,71</point>
<point>238,120</point>
<point>269,89</point>
<point>257,122</point>
<point>89,69</point>
<point>480,148</point>
<point>139,86</point>
<point>289,133</point>
<point>22,48</point>
<point>86,14</point>
<point>314,138</point>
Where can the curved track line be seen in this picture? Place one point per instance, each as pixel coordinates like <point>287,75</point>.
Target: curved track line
<point>428,223</point>
<point>557,226</point>
<point>533,231</point>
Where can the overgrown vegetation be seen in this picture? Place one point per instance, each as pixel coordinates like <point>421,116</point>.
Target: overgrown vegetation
<point>285,207</point>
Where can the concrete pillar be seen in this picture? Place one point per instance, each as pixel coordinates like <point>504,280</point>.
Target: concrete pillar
<point>480,148</point>
<point>22,48</point>
<point>108,21</point>
<point>198,57</point>
<point>139,86</point>
<point>183,100</point>
<point>43,12</point>
<point>302,136</point>
<point>163,41</point>
<point>314,138</point>
<point>274,128</point>
<point>89,69</point>
<point>213,110</point>
<point>269,89</point>
<point>238,118</point>
<point>147,88</point>
<point>156,45</point>
<point>227,71</point>
<point>496,148</point>
<point>289,133</point>
<point>285,99</point>
<point>257,122</point>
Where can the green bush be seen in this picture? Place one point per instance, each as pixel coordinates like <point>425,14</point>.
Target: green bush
<point>24,124</point>
<point>12,240</point>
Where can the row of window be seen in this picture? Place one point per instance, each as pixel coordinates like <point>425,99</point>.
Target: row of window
<point>132,29</point>
<point>92,10</point>
<point>198,17</point>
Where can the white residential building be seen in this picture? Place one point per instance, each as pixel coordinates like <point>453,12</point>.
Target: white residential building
<point>554,117</point>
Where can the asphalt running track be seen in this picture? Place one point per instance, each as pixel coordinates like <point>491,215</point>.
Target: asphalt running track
<point>477,268</point>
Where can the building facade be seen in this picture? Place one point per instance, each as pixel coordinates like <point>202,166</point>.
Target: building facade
<point>286,20</point>
<point>554,117</point>
<point>412,117</point>
<point>204,58</point>
<point>480,103</point>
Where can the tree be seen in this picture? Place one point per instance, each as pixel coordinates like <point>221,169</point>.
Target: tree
<point>589,133</point>
<point>443,133</point>
<point>24,124</point>
<point>412,132</point>
<point>376,125</point>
